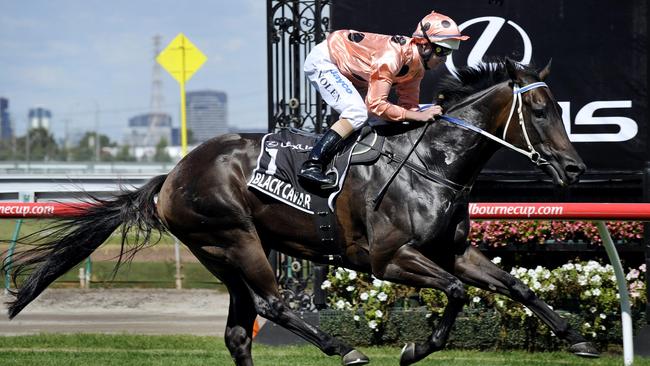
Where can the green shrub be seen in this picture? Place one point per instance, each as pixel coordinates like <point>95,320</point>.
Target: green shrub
<point>379,312</point>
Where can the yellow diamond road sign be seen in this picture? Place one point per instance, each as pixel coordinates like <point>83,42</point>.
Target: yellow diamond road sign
<point>181,58</point>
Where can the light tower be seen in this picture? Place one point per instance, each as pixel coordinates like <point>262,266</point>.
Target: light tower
<point>157,99</point>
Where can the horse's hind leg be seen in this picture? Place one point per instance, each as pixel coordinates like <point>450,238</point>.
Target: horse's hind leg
<point>475,269</point>
<point>239,328</point>
<point>241,312</point>
<point>255,276</point>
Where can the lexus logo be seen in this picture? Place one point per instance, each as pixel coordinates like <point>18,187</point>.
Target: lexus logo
<point>485,40</point>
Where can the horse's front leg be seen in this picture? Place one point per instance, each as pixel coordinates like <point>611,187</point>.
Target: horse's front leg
<point>473,268</point>
<point>410,267</point>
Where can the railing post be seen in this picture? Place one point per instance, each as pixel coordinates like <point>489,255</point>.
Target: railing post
<point>10,253</point>
<point>646,240</point>
<point>320,295</point>
<point>642,338</point>
<point>179,272</point>
<point>621,283</point>
<point>89,271</point>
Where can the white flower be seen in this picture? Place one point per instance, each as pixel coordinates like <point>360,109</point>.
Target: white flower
<point>428,316</point>
<point>379,314</point>
<point>382,296</point>
<point>587,293</point>
<point>338,275</point>
<point>528,312</point>
<point>326,284</point>
<point>356,318</point>
<point>364,296</point>
<point>496,260</point>
<point>603,316</point>
<point>500,303</point>
<point>340,304</point>
<point>642,268</point>
<point>373,293</point>
<point>377,282</point>
<point>352,274</point>
<point>372,324</point>
<point>602,327</point>
<point>476,299</point>
<point>592,309</point>
<point>596,280</point>
<point>633,275</point>
<point>582,280</point>
<point>596,292</point>
<point>551,287</point>
<point>537,285</point>
<point>349,288</point>
<point>587,325</point>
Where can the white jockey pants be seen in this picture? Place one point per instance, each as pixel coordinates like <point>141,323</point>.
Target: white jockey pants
<point>335,89</point>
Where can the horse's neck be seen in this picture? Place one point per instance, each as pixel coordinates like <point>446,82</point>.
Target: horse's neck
<point>455,152</point>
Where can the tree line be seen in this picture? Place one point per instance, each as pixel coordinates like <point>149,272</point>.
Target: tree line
<point>39,145</point>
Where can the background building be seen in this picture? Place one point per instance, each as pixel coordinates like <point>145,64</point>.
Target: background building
<point>207,114</point>
<point>148,129</point>
<point>40,118</point>
<point>6,130</point>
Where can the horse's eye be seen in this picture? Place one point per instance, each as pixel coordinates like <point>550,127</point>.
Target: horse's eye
<point>539,113</point>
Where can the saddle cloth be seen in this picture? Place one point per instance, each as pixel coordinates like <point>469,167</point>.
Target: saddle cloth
<point>282,154</point>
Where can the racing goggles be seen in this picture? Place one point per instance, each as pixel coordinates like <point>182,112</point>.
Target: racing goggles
<point>441,51</point>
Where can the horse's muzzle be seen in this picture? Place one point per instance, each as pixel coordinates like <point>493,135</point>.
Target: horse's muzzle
<point>573,171</point>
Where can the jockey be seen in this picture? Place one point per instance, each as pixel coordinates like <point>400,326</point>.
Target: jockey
<point>349,60</point>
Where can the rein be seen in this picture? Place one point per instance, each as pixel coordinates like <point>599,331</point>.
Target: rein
<point>422,170</point>
<point>532,154</point>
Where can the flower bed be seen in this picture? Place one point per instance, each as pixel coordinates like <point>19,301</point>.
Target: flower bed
<point>372,311</point>
<point>499,233</point>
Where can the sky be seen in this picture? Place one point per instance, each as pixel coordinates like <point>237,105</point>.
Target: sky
<point>80,57</point>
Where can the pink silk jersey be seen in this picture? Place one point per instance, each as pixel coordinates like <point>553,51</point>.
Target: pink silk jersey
<point>377,62</point>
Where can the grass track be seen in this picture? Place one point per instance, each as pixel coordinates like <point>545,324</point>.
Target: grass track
<point>51,350</point>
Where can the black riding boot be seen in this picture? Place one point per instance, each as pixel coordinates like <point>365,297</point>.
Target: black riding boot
<point>319,157</point>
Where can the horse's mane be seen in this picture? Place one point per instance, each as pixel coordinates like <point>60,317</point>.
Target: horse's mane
<point>469,80</point>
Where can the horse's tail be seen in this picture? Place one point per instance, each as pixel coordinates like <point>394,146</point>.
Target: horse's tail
<point>60,246</point>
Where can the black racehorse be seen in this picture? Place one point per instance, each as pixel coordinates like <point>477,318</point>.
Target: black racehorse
<point>416,235</point>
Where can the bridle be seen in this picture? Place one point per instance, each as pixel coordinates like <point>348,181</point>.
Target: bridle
<point>517,91</point>
<point>532,154</point>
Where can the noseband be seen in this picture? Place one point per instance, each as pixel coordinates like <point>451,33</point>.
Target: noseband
<point>517,103</point>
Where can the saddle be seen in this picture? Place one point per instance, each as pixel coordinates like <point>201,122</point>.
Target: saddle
<point>280,159</point>
<point>283,153</point>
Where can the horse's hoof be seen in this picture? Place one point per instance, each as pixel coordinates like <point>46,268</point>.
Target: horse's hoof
<point>354,357</point>
<point>585,349</point>
<point>407,356</point>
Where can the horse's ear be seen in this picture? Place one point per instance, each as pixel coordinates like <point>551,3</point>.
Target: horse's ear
<point>511,67</point>
<point>545,71</point>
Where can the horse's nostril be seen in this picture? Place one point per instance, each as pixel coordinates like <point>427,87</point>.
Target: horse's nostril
<point>575,168</point>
